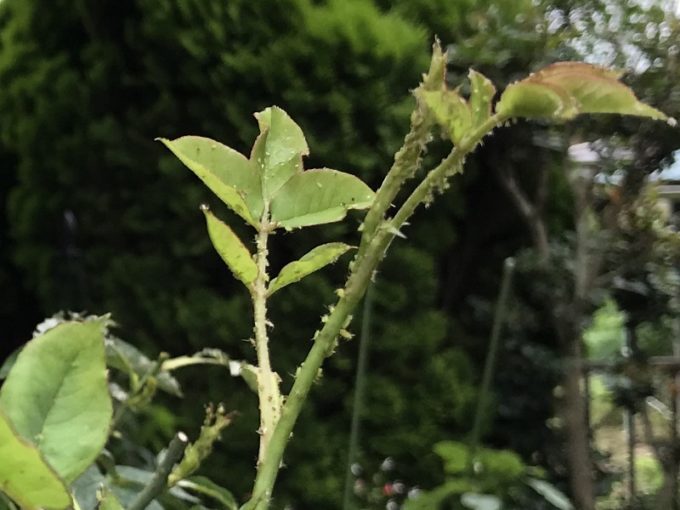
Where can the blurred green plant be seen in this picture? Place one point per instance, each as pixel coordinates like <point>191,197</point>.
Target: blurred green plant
<point>485,479</point>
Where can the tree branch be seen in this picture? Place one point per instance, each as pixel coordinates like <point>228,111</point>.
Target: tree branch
<point>159,480</point>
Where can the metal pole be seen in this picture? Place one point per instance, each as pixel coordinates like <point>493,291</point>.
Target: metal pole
<point>360,389</point>
<point>630,425</point>
<point>674,442</point>
<point>490,363</point>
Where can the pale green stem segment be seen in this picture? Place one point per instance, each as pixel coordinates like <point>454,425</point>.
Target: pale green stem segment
<point>407,159</point>
<point>370,254</point>
<point>267,380</point>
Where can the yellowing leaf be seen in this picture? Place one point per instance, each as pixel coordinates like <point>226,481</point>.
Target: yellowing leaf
<point>25,476</point>
<point>228,174</point>
<point>535,100</point>
<point>309,263</point>
<point>57,396</point>
<point>230,248</point>
<point>566,89</point>
<point>319,196</point>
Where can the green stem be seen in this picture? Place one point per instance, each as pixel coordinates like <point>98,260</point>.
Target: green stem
<point>490,363</point>
<point>267,380</point>
<point>307,373</point>
<point>436,179</point>
<point>407,159</point>
<point>359,390</point>
<point>370,254</point>
<point>158,482</point>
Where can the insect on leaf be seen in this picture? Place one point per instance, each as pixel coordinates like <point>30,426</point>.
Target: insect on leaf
<point>230,248</point>
<point>309,263</point>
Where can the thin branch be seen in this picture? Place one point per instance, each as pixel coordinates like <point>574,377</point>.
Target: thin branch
<point>159,479</point>
<point>529,212</point>
<point>267,380</point>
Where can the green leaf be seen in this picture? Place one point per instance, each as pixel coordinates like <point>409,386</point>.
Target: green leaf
<point>25,476</point>
<point>128,359</point>
<point>551,494</point>
<point>128,483</point>
<point>8,364</point>
<point>233,252</point>
<point>228,174</point>
<point>84,488</point>
<point>309,263</point>
<point>566,89</point>
<point>535,100</point>
<point>108,501</point>
<point>6,503</point>
<point>456,456</point>
<point>206,487</point>
<point>451,111</point>
<point>319,196</point>
<point>480,501</point>
<point>278,150</point>
<point>57,396</point>
<point>481,95</point>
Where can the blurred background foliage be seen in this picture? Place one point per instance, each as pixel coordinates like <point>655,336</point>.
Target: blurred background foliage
<point>97,217</point>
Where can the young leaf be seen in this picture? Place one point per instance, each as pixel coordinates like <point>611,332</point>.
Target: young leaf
<point>535,100</point>
<point>231,249</point>
<point>566,89</point>
<point>481,95</point>
<point>228,174</point>
<point>278,150</point>
<point>84,488</point>
<point>319,196</point>
<point>309,263</point>
<point>451,111</point>
<point>25,476</point>
<point>56,395</point>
